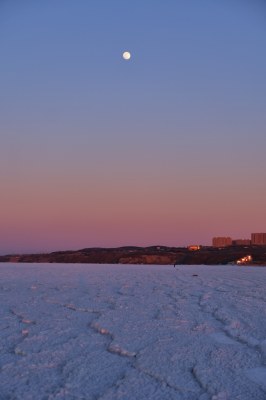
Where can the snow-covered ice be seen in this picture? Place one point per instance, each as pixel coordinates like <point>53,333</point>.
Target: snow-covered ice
<point>132,332</point>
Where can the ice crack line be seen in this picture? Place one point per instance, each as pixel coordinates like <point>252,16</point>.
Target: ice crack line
<point>162,381</point>
<point>111,347</point>
<point>230,332</point>
<point>24,333</point>
<point>80,309</point>
<point>132,356</point>
<point>21,318</point>
<point>197,379</point>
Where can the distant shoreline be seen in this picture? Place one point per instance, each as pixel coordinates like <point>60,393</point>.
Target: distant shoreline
<point>160,255</point>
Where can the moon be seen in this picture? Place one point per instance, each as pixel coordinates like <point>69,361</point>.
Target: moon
<point>126,55</point>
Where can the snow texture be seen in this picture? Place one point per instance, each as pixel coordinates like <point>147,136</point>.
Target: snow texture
<point>132,332</point>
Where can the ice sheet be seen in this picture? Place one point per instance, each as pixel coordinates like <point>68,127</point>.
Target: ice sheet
<point>132,332</point>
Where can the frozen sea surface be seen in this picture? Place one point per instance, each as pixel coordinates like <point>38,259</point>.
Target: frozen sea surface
<point>132,332</point>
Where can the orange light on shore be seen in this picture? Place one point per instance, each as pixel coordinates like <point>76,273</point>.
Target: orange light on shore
<point>244,260</point>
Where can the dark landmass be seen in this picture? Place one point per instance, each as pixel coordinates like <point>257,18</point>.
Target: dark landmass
<point>146,255</point>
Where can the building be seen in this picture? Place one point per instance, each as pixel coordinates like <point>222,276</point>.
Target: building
<point>258,239</point>
<point>194,247</point>
<point>221,241</point>
<point>241,242</point>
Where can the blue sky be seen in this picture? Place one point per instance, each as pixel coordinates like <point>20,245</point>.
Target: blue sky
<point>185,118</point>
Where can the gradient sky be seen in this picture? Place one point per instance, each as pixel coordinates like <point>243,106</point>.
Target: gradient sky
<point>168,148</point>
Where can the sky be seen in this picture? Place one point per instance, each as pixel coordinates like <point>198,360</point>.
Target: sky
<point>166,148</point>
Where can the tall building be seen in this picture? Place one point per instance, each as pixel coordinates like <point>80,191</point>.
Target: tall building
<point>221,241</point>
<point>241,242</point>
<point>258,238</point>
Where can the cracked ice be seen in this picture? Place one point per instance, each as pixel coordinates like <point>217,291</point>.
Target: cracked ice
<point>132,332</point>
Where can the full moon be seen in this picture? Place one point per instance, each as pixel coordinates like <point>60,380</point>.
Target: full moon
<point>126,55</point>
